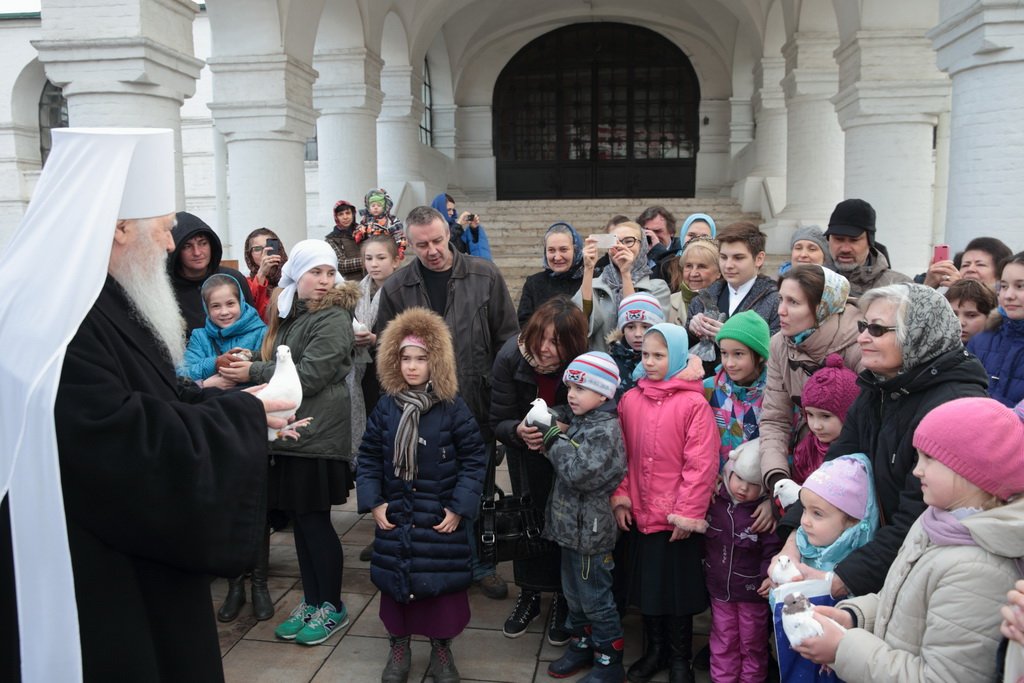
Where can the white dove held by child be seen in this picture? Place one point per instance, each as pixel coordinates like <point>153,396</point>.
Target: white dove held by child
<point>284,385</point>
<point>784,571</point>
<point>787,491</point>
<point>358,327</point>
<point>540,415</point>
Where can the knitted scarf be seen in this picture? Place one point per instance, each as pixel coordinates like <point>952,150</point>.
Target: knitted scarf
<point>534,363</point>
<point>413,403</point>
<point>807,457</point>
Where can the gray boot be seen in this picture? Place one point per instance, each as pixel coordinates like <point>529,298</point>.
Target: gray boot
<point>262,604</point>
<point>442,663</point>
<point>399,661</point>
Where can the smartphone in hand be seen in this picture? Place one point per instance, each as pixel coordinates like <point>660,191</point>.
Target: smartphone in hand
<point>605,241</point>
<point>273,245</point>
<point>941,253</point>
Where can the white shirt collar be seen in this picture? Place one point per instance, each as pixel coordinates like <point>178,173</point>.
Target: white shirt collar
<point>738,294</point>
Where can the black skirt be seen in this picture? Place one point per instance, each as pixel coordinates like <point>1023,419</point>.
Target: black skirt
<point>300,485</point>
<point>665,578</point>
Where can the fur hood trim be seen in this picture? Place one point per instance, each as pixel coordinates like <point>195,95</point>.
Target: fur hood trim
<point>613,336</point>
<point>431,328</point>
<point>344,295</point>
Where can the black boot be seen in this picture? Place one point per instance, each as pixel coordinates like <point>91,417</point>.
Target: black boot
<point>262,605</point>
<point>680,644</point>
<point>399,661</point>
<point>577,656</point>
<point>655,657</point>
<point>442,663</point>
<point>607,663</point>
<point>234,600</point>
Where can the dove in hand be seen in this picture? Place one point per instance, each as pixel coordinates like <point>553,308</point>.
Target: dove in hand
<point>787,491</point>
<point>540,415</point>
<point>285,385</point>
<point>798,619</point>
<point>784,571</point>
<point>358,327</point>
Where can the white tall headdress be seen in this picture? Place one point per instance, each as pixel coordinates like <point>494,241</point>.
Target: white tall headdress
<point>97,176</point>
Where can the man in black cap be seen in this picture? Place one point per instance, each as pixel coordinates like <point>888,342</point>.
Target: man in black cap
<point>851,239</point>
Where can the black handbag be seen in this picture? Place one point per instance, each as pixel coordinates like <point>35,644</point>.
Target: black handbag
<point>510,526</point>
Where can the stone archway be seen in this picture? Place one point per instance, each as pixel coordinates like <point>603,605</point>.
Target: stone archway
<point>597,110</point>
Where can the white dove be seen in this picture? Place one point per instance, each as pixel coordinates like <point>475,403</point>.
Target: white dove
<point>540,415</point>
<point>284,385</point>
<point>798,619</point>
<point>787,491</point>
<point>358,327</point>
<point>784,571</point>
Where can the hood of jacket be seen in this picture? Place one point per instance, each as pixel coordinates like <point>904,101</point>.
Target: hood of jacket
<point>248,322</point>
<point>441,204</point>
<point>431,328</point>
<point>187,227</point>
<point>1000,530</point>
<point>690,378</point>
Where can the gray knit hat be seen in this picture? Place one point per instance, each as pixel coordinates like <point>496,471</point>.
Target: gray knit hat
<point>811,233</point>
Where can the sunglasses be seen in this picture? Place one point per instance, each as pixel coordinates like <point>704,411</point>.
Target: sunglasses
<point>874,329</point>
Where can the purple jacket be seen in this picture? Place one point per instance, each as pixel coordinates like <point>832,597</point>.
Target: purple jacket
<point>735,560</point>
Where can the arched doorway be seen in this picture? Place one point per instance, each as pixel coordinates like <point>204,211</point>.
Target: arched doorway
<point>596,110</point>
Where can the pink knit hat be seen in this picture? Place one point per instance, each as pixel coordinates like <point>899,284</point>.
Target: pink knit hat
<point>978,438</point>
<point>832,388</point>
<point>844,482</point>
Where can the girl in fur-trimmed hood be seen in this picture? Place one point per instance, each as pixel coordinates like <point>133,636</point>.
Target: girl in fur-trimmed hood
<point>420,473</point>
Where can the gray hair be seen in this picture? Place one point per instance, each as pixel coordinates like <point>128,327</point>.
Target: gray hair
<point>424,215</point>
<point>897,296</point>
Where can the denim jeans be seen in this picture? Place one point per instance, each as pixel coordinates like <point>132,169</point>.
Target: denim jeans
<point>587,586</point>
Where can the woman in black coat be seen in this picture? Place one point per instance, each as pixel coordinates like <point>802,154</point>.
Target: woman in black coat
<point>914,361</point>
<point>528,367</point>
<point>562,274</point>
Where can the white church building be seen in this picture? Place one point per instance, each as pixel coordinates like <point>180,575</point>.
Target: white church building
<point>281,107</point>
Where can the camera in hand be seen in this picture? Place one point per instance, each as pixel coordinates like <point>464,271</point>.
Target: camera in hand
<point>273,245</point>
<point>470,218</point>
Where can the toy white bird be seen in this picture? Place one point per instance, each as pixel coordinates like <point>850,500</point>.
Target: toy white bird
<point>798,619</point>
<point>284,385</point>
<point>358,327</point>
<point>787,491</point>
<point>540,415</point>
<point>784,571</point>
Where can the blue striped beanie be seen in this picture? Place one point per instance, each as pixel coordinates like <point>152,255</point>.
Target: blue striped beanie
<point>595,371</point>
<point>640,308</point>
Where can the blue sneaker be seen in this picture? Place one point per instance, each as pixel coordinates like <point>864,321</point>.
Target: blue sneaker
<point>323,624</point>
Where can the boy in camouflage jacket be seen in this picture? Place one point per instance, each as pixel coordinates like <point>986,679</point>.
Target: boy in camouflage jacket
<point>589,460</point>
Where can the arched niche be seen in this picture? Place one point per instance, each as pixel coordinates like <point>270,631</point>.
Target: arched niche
<point>574,115</point>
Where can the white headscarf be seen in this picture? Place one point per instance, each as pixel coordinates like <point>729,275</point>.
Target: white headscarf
<point>304,255</point>
<point>98,176</point>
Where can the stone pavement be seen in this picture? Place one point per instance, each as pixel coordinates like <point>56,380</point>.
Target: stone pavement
<point>252,654</point>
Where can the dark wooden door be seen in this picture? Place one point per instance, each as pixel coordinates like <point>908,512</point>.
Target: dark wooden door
<point>596,110</point>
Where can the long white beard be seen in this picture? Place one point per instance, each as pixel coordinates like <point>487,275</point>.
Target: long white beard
<point>143,275</point>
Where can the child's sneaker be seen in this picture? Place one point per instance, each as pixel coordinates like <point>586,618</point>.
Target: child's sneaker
<point>291,626</point>
<point>322,625</point>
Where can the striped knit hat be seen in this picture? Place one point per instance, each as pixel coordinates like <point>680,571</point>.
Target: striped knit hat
<point>640,308</point>
<point>594,370</point>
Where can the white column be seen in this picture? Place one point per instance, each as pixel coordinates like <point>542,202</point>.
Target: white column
<point>713,155</point>
<point>398,137</point>
<point>263,106</point>
<point>889,116</point>
<point>814,152</point>
<point>476,162</point>
<point>348,96</point>
<point>131,65</point>
<point>770,118</point>
<point>981,46</point>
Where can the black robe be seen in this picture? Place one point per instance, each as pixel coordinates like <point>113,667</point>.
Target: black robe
<point>161,490</point>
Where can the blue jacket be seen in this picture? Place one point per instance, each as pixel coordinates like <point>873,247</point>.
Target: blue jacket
<point>210,341</point>
<point>1001,351</point>
<point>475,239</point>
<point>412,561</point>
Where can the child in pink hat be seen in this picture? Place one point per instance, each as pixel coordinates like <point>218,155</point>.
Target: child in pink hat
<point>827,396</point>
<point>937,617</point>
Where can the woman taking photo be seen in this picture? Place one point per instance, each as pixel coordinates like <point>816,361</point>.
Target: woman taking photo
<point>264,267</point>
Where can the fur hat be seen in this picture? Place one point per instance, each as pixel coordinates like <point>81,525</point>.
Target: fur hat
<point>746,461</point>
<point>978,438</point>
<point>832,388</point>
<point>429,327</point>
<point>640,308</point>
<point>845,483</point>
<point>595,371</point>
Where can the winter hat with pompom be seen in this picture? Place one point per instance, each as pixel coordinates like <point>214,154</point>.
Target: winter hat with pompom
<point>832,388</point>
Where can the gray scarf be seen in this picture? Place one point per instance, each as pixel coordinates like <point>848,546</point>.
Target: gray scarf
<point>413,403</point>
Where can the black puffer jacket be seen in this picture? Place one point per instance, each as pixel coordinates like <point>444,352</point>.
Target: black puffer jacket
<point>881,423</point>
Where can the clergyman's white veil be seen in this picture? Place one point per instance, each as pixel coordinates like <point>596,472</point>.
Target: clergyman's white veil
<point>92,178</point>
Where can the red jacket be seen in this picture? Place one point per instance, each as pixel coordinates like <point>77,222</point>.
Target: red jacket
<point>671,451</point>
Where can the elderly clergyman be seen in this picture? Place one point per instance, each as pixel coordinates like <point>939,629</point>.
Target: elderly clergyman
<point>123,489</point>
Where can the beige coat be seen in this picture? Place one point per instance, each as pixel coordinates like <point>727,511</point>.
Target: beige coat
<point>937,617</point>
<point>838,334</point>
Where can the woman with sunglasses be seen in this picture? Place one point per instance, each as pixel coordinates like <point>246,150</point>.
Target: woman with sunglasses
<point>914,361</point>
<point>627,272</point>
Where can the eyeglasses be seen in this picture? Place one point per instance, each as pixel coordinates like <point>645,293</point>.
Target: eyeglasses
<point>874,329</point>
<point>628,241</point>
<point>256,248</point>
